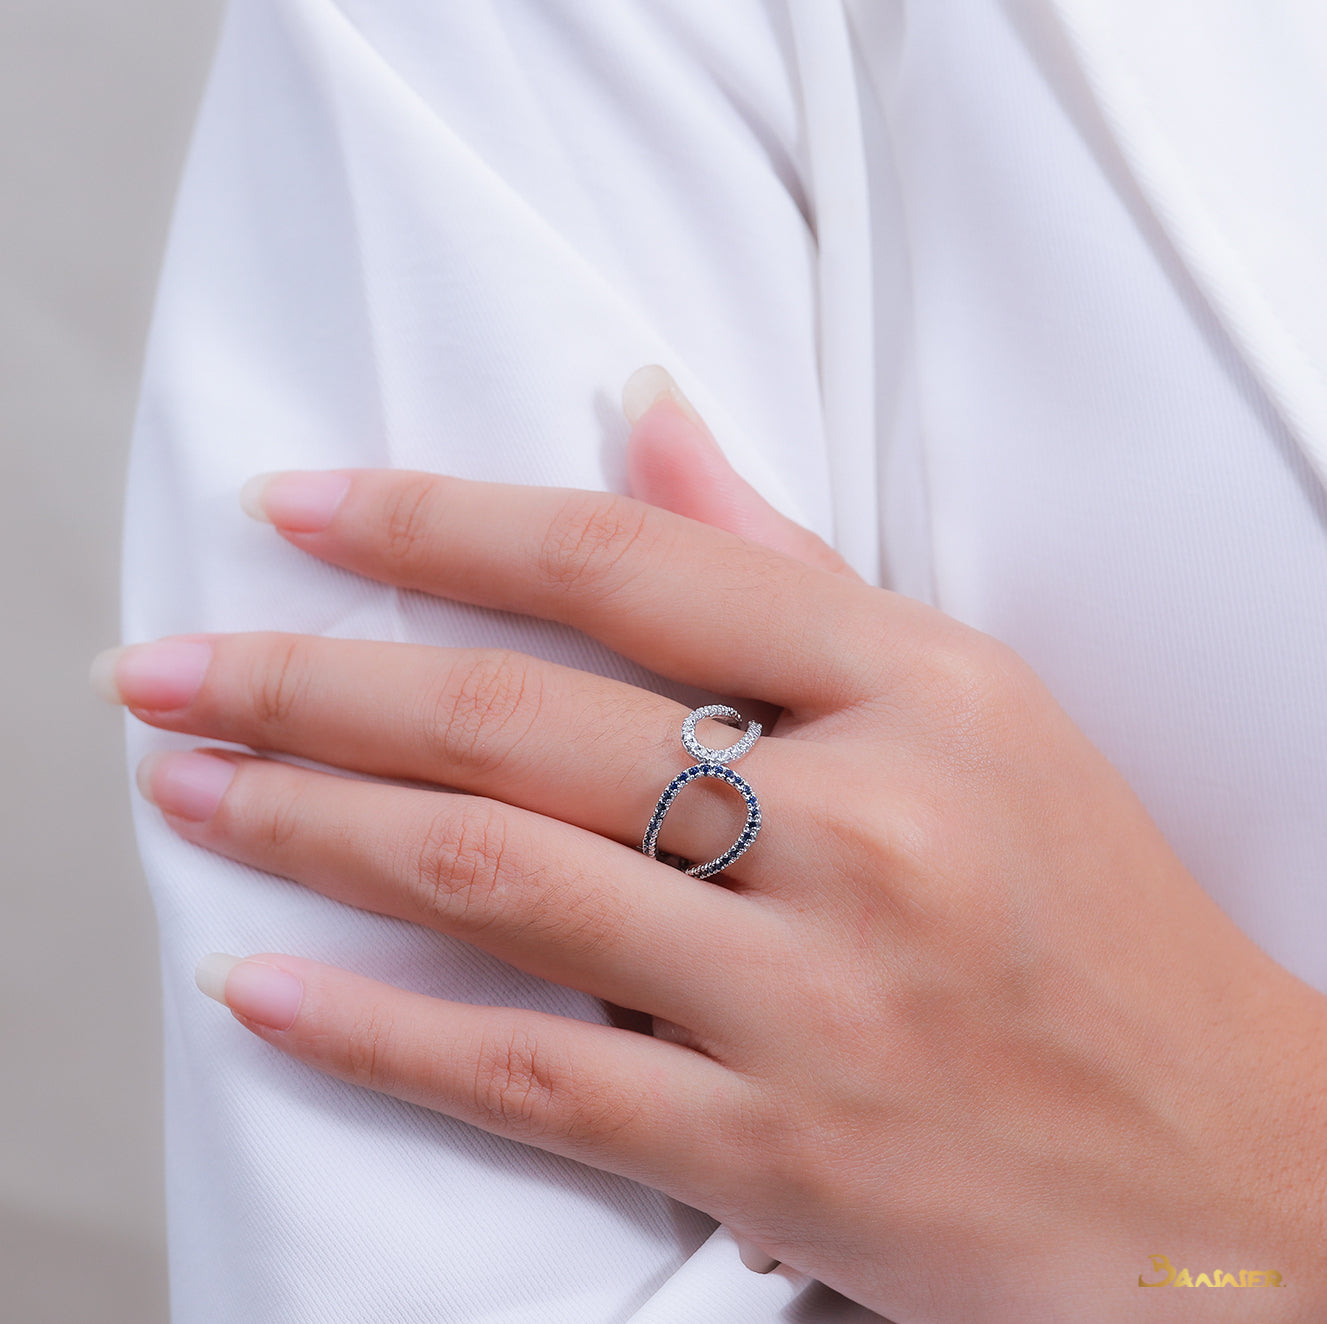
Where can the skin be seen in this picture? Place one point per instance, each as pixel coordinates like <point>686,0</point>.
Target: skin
<point>958,1035</point>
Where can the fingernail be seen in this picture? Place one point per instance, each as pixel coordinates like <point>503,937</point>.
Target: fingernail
<point>303,502</point>
<point>102,675</point>
<point>160,676</point>
<point>210,976</point>
<point>261,992</point>
<point>646,387</point>
<point>186,782</point>
<point>754,1258</point>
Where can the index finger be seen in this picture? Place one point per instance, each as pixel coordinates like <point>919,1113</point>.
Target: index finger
<point>689,601</point>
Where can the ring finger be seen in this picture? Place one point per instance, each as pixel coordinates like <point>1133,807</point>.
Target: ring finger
<point>561,903</point>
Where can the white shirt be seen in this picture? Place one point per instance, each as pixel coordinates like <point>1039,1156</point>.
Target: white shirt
<point>1017,304</point>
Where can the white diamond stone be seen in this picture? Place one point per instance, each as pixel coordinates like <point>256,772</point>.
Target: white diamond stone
<point>731,717</point>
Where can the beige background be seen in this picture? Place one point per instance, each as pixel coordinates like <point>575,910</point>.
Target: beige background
<point>96,100</point>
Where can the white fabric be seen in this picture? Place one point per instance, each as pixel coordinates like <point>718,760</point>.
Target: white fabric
<point>1219,109</point>
<point>905,260</point>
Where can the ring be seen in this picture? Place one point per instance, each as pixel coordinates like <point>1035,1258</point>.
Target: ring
<point>710,763</point>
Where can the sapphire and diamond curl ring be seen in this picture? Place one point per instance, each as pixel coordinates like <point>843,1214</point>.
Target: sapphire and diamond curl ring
<point>711,763</point>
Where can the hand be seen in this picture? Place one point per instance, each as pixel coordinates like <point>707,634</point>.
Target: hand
<point>958,1035</point>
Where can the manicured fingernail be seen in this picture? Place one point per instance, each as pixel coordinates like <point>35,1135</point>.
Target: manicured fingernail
<point>102,675</point>
<point>259,991</point>
<point>185,783</point>
<point>646,387</point>
<point>303,502</point>
<point>160,676</point>
<point>210,976</point>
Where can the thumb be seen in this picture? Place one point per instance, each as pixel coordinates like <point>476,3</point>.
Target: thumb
<point>674,462</point>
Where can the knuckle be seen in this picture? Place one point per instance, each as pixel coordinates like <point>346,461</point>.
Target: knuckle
<point>368,1048</point>
<point>408,524</point>
<point>466,875</point>
<point>589,539</point>
<point>527,1088</point>
<point>483,707</point>
<point>954,671</point>
<point>282,819</point>
<point>967,681</point>
<point>517,1082</point>
<point>459,868</point>
<point>280,680</point>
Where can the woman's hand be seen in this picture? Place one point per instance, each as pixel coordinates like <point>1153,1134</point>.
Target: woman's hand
<point>958,1035</point>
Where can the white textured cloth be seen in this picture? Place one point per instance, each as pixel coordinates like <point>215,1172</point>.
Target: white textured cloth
<point>954,284</point>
